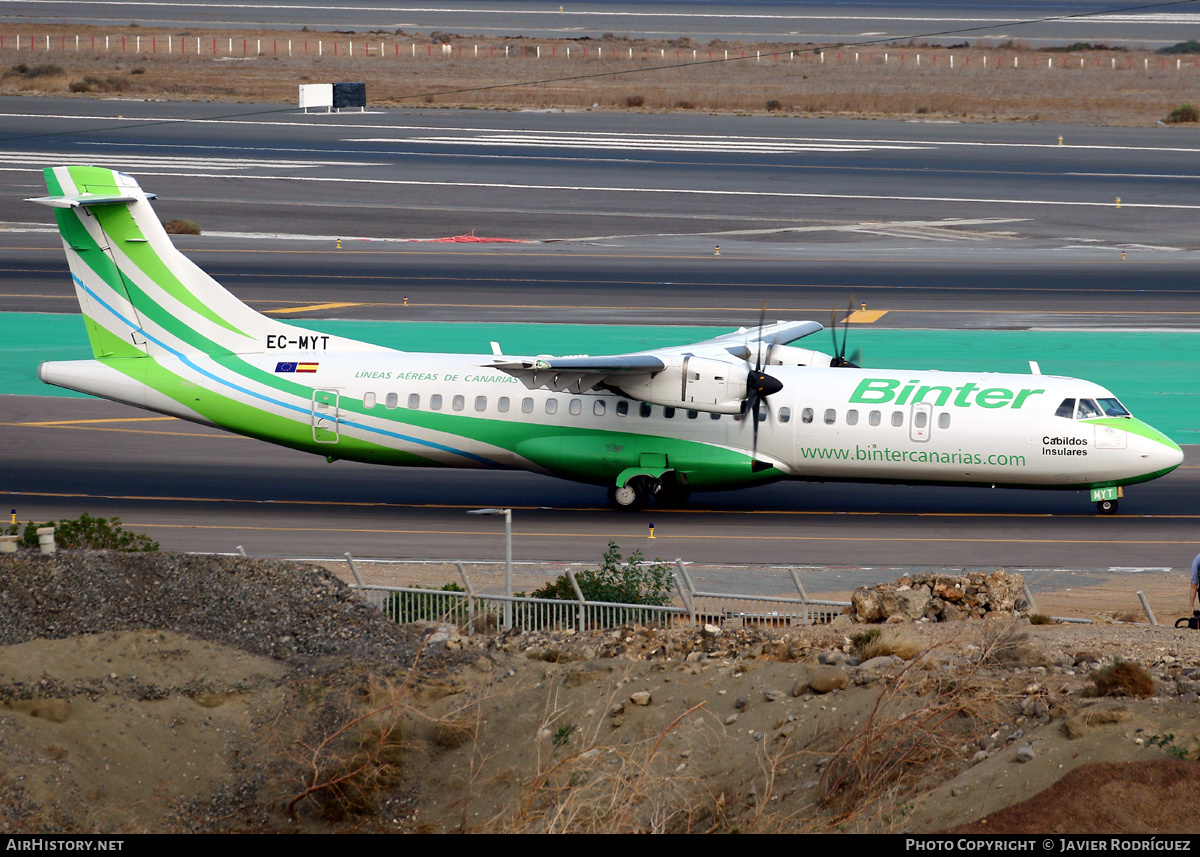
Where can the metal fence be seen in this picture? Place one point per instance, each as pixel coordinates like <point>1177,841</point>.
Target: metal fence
<point>474,611</point>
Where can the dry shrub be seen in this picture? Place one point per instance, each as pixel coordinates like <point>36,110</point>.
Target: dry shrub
<point>348,748</point>
<point>916,726</point>
<point>635,100</point>
<point>889,642</point>
<point>1183,113</point>
<point>1122,678</point>
<point>179,226</point>
<point>1002,645</point>
<point>633,788</point>
<point>1041,619</point>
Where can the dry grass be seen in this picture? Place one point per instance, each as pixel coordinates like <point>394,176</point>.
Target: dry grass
<point>584,785</point>
<point>1002,645</point>
<point>876,643</point>
<point>916,727</point>
<point>880,81</point>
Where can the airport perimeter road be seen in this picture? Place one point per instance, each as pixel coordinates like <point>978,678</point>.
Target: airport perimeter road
<point>765,20</point>
<point>196,489</point>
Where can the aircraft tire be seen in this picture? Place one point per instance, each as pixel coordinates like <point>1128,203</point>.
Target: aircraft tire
<point>1106,507</point>
<point>631,497</point>
<point>672,496</point>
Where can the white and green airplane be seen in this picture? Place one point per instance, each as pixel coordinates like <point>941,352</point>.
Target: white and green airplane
<point>653,424</point>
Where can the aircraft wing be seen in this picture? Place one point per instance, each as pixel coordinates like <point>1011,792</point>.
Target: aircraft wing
<point>580,373</point>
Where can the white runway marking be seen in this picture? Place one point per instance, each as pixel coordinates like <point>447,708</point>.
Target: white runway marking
<point>339,124</point>
<point>664,143</point>
<point>120,162</point>
<point>156,170</point>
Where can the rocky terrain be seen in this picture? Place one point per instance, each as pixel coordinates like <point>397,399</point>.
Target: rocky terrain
<point>162,692</point>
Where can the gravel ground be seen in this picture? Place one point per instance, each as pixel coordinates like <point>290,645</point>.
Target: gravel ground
<point>165,692</point>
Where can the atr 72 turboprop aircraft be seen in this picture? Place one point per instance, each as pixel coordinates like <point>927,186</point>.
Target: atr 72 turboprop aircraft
<point>742,409</point>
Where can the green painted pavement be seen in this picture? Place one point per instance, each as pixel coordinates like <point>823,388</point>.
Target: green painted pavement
<point>1153,373</point>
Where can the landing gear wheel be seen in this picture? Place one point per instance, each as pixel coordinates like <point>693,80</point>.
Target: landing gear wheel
<point>630,497</point>
<point>1106,507</point>
<point>672,495</point>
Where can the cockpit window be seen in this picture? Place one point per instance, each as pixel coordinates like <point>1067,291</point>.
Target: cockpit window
<point>1112,408</point>
<point>1086,409</point>
<point>1066,409</point>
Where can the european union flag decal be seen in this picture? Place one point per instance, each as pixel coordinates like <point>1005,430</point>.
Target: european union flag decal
<point>285,367</point>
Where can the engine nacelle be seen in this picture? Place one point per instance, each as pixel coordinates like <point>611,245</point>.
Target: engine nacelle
<point>787,355</point>
<point>694,383</point>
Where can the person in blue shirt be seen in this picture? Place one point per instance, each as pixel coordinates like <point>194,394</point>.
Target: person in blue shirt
<point>1195,581</point>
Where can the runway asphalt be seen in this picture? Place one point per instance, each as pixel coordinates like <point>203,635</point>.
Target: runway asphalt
<point>1034,243</point>
<point>764,20</point>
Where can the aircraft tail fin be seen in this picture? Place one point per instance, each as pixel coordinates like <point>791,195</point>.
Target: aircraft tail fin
<point>139,295</point>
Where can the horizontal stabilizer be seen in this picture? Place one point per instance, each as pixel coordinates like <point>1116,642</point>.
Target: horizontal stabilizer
<point>86,199</point>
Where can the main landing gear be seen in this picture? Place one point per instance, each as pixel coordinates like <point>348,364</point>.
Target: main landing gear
<point>1106,507</point>
<point>634,495</point>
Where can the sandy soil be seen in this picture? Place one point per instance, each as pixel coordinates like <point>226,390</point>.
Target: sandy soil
<point>977,83</point>
<point>157,730</point>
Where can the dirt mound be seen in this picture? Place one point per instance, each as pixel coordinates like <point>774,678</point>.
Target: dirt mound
<point>1105,797</point>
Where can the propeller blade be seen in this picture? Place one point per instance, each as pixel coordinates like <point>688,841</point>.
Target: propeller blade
<point>762,320</point>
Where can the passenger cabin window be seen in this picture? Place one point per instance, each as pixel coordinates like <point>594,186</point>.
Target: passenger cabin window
<point>852,417</point>
<point>414,401</point>
<point>527,406</point>
<point>598,408</point>
<point>481,403</point>
<point>944,419</point>
<point>693,414</point>
<point>391,401</point>
<point>575,407</point>
<point>552,406</point>
<point>502,404</point>
<point>368,400</point>
<point>897,418</point>
<point>830,416</point>
<point>806,415</point>
<point>1086,409</point>
<point>435,402</point>
<point>622,408</point>
<point>715,416</point>
<point>644,409</point>
<point>1066,409</point>
<point>785,414</point>
<point>458,403</point>
<point>669,413</point>
<point>920,419</point>
<point>874,418</point>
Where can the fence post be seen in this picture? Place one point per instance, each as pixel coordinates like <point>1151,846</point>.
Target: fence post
<point>1146,607</point>
<point>803,595</point>
<point>684,595</point>
<point>362,595</point>
<point>462,573</point>
<point>1029,595</point>
<point>579,595</point>
<point>241,550</point>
